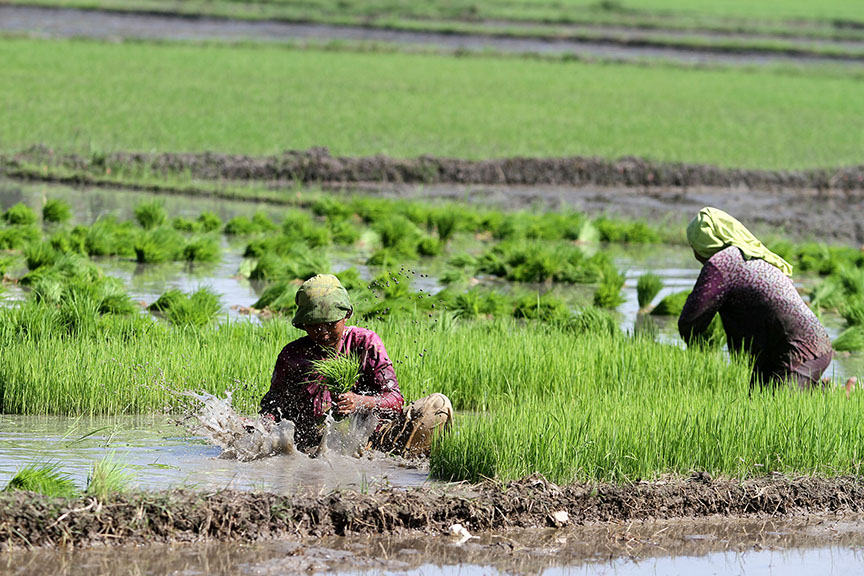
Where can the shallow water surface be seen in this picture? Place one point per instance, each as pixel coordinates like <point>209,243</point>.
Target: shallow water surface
<point>162,455</point>
<point>796,547</point>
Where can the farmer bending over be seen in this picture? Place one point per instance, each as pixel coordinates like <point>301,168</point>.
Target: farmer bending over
<point>299,394</point>
<point>762,313</point>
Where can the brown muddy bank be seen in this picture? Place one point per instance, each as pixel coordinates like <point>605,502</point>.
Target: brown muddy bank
<point>317,165</point>
<point>28,520</point>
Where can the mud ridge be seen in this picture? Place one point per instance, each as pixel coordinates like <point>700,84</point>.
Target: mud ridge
<point>32,520</point>
<point>317,165</point>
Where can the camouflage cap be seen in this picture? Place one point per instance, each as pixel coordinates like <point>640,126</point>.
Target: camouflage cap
<point>321,299</point>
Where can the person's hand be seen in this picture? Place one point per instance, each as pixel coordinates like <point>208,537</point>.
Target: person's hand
<point>350,402</point>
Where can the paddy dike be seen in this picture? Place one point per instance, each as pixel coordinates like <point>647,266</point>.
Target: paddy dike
<point>821,203</point>
<point>28,520</point>
<point>606,43</point>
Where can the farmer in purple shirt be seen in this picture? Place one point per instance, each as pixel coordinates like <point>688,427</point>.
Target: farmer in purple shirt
<point>762,312</point>
<point>298,394</point>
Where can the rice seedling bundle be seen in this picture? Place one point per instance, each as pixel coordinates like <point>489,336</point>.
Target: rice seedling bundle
<point>56,211</point>
<point>671,305</point>
<point>339,371</point>
<point>19,215</point>
<point>209,222</point>
<point>608,293</point>
<point>647,288</point>
<point>107,477</point>
<point>44,479</point>
<point>851,339</point>
<point>150,215</point>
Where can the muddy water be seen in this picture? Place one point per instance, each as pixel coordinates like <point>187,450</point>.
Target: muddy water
<point>828,546</point>
<point>162,455</point>
<point>107,25</point>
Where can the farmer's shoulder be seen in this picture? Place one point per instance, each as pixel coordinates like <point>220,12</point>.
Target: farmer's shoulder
<point>359,337</point>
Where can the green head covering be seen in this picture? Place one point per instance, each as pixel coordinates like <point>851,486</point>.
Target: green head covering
<point>713,230</point>
<point>321,299</point>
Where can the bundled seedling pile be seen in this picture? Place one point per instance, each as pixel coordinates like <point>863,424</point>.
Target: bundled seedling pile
<point>340,372</point>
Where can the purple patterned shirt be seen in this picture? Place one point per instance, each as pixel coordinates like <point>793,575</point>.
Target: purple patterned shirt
<point>298,394</point>
<point>760,309</point>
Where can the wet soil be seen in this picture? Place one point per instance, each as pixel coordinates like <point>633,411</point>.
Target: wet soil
<point>597,546</point>
<point>600,43</point>
<point>28,520</point>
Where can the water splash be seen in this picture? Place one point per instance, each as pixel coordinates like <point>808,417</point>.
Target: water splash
<point>347,437</point>
<point>242,439</point>
<point>247,439</point>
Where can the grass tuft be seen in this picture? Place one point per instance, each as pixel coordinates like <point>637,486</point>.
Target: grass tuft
<point>56,211</point>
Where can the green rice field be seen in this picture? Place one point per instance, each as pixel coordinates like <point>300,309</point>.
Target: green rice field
<point>591,402</point>
<point>90,96</point>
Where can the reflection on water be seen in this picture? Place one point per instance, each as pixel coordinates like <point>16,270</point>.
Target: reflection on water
<point>162,455</point>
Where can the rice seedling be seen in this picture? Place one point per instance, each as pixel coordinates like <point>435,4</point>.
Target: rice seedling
<point>850,340</point>
<point>17,237</point>
<point>592,320</point>
<point>197,310</point>
<point>44,479</point>
<point>185,225</point>
<point>240,226</point>
<point>545,307</point>
<point>399,235</point>
<point>201,249</point>
<point>209,222</point>
<point>167,300</point>
<point>159,245</point>
<point>626,232</point>
<point>70,241</point>
<point>445,222</point>
<point>608,293</point>
<point>300,226</point>
<point>107,477</point>
<point>853,311</point>
<point>278,297</point>
<point>19,215</point>
<point>56,211</point>
<point>339,371</point>
<point>671,305</point>
<point>150,215</point>
<point>429,246</point>
<point>827,295</point>
<point>647,288</point>
<point>39,254</point>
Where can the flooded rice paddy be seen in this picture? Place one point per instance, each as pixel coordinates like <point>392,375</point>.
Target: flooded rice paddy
<point>675,265</point>
<point>163,455</point>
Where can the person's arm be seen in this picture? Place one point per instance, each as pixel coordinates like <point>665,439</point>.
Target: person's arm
<point>702,304</point>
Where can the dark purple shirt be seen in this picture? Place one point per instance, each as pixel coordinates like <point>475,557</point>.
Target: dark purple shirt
<point>298,394</point>
<point>761,311</point>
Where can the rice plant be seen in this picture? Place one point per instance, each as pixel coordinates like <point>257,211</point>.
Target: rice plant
<point>647,288</point>
<point>671,305</point>
<point>107,477</point>
<point>159,245</point>
<point>197,310</point>
<point>339,371</point>
<point>850,340</point>
<point>608,293</point>
<point>45,479</point>
<point>201,249</point>
<point>150,215</point>
<point>56,211</point>
<point>209,222</point>
<point>19,215</point>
